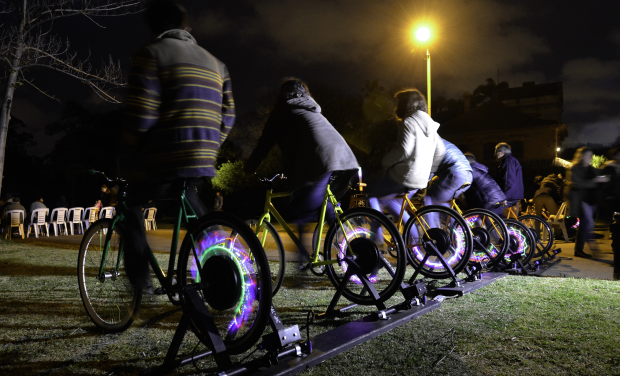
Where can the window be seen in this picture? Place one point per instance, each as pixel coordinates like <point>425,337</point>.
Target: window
<point>489,150</point>
<point>517,148</point>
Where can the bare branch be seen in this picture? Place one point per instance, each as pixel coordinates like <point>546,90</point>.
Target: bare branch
<point>39,90</point>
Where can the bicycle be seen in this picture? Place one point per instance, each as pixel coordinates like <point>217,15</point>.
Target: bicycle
<point>356,235</point>
<point>221,265</point>
<point>540,229</point>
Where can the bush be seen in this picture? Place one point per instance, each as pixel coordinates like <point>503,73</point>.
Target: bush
<point>230,178</point>
<point>598,160</point>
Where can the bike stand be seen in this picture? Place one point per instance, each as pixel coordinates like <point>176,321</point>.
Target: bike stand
<point>282,342</point>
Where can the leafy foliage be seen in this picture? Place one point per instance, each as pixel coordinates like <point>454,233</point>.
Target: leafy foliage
<point>598,160</point>
<point>230,178</point>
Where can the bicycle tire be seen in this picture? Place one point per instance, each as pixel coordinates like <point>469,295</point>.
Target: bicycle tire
<point>454,240</point>
<point>273,247</point>
<point>495,249</point>
<point>225,240</point>
<point>546,230</point>
<point>111,304</point>
<point>371,253</point>
<point>521,239</point>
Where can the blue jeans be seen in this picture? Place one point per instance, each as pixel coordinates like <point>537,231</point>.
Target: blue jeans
<point>383,191</point>
<point>586,227</point>
<point>446,187</point>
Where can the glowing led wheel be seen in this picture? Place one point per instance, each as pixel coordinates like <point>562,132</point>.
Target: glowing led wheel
<point>491,238</point>
<point>541,231</point>
<point>448,233</point>
<point>225,260</point>
<point>274,249</point>
<point>368,235</point>
<point>521,241</point>
<point>110,301</point>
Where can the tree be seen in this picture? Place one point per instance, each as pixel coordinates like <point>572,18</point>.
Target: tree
<point>28,43</point>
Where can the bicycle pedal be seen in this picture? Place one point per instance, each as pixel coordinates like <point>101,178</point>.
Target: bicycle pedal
<point>159,291</point>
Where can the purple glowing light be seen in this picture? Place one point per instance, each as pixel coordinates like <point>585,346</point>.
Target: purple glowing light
<point>459,239</point>
<point>478,256</point>
<point>356,233</point>
<point>520,239</point>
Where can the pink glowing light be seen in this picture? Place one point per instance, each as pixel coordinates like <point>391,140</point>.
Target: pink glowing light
<point>356,233</point>
<point>458,239</point>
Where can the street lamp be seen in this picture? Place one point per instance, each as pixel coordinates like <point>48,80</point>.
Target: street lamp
<point>423,35</point>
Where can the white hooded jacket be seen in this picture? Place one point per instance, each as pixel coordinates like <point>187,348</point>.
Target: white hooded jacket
<point>419,151</point>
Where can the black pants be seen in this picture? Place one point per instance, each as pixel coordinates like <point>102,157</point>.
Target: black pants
<point>545,201</point>
<point>136,250</point>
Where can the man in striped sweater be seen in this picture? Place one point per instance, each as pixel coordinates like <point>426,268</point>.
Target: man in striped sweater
<point>178,110</point>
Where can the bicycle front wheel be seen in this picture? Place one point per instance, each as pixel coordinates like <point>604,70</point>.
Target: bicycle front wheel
<point>372,238</point>
<point>223,259</point>
<point>491,238</point>
<point>274,249</point>
<point>438,238</point>
<point>522,241</point>
<point>110,301</point>
<point>542,232</point>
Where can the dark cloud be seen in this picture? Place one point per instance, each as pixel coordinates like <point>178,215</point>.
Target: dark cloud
<point>590,85</point>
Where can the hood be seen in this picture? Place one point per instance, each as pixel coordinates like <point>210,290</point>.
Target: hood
<point>480,166</point>
<point>426,123</point>
<point>177,34</point>
<point>305,102</point>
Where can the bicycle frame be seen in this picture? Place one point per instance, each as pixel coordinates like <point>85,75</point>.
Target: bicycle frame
<point>185,213</point>
<point>270,209</point>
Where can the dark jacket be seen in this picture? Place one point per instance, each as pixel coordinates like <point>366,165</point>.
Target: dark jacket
<point>612,189</point>
<point>581,187</point>
<point>509,177</point>
<point>549,186</point>
<point>484,191</point>
<point>310,145</point>
<point>453,160</point>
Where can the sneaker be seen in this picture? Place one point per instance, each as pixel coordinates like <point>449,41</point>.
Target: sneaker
<point>582,254</point>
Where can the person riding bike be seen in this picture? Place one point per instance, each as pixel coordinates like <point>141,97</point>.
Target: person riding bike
<point>419,151</point>
<point>484,192</point>
<point>312,149</point>
<point>451,178</point>
<point>179,110</point>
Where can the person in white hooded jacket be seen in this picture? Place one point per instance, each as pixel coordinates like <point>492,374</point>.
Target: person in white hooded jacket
<point>418,152</point>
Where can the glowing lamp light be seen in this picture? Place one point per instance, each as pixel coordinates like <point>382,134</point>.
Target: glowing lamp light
<point>423,34</point>
<point>558,149</point>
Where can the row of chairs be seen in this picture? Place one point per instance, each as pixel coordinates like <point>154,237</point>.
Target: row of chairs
<point>61,217</point>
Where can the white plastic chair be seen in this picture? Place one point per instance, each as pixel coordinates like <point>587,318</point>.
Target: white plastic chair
<point>61,220</point>
<point>75,218</point>
<point>559,219</point>
<point>89,216</point>
<point>149,219</point>
<point>38,222</point>
<point>15,218</point>
<point>107,212</point>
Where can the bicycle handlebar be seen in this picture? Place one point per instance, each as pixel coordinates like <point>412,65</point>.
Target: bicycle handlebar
<point>269,182</point>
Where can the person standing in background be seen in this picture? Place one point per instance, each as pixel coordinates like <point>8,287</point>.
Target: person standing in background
<point>509,177</point>
<point>219,202</point>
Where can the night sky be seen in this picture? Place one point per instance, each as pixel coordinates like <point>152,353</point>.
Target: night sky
<point>343,43</point>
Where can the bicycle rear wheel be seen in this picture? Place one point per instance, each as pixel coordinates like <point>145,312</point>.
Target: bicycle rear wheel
<point>521,241</point>
<point>368,235</point>
<point>223,258</point>
<point>274,250</point>
<point>491,237</point>
<point>110,301</point>
<point>542,232</point>
<point>437,227</point>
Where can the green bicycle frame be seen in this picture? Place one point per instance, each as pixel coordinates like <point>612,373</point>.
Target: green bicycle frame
<point>185,213</point>
<point>270,209</point>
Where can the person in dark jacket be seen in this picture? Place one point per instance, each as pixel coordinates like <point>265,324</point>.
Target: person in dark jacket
<point>453,173</point>
<point>509,176</point>
<point>311,148</point>
<point>484,192</point>
<point>582,193</point>
<point>546,197</point>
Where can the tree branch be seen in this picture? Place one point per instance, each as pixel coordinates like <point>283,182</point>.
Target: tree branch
<point>39,90</point>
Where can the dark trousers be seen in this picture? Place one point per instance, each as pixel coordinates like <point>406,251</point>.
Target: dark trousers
<point>545,201</point>
<point>136,252</point>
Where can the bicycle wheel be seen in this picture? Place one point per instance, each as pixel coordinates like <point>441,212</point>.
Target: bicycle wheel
<point>368,235</point>
<point>491,237</point>
<point>437,227</point>
<point>110,301</point>
<point>542,232</point>
<point>521,241</point>
<point>274,250</point>
<point>224,260</point>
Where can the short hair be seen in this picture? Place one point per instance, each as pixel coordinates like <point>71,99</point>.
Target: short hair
<point>409,101</point>
<point>163,15</point>
<point>538,179</point>
<point>503,147</point>
<point>15,199</point>
<point>470,157</point>
<point>292,87</point>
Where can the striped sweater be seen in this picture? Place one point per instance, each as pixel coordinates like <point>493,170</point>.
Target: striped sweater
<point>178,110</point>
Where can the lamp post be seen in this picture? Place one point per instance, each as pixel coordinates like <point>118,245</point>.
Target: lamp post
<point>423,34</point>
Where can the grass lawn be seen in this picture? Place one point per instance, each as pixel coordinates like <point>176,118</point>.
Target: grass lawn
<point>515,326</point>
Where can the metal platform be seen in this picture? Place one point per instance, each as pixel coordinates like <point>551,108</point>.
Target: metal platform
<point>467,287</point>
<point>329,344</point>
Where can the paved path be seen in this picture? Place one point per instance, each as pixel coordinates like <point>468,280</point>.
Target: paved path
<point>598,267</point>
